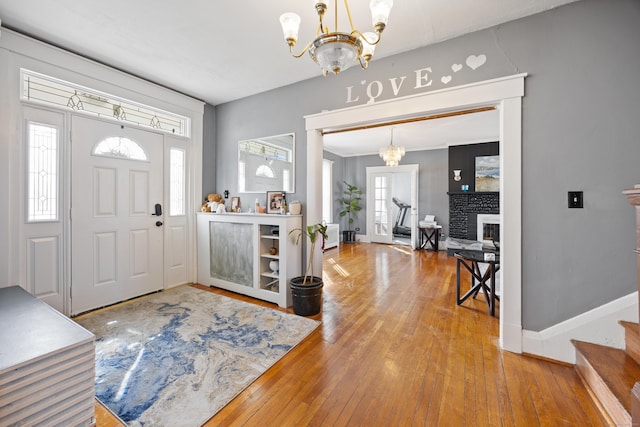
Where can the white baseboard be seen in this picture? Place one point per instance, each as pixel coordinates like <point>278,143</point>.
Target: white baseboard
<point>364,238</point>
<point>599,326</point>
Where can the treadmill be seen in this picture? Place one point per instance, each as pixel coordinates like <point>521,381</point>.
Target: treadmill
<point>399,229</point>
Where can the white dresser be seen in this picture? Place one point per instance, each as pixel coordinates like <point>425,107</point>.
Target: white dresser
<point>47,364</point>
<point>235,253</point>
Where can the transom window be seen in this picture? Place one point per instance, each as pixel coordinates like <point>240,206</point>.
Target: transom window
<point>51,91</point>
<point>119,148</point>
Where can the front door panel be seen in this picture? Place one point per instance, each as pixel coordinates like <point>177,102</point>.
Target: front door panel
<point>117,240</point>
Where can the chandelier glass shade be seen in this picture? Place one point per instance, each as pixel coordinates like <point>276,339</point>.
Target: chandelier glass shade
<point>391,154</point>
<point>335,51</point>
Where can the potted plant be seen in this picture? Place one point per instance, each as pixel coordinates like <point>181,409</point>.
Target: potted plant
<point>306,291</point>
<point>351,201</point>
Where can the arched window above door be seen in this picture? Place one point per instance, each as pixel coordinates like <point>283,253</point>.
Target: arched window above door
<point>119,148</point>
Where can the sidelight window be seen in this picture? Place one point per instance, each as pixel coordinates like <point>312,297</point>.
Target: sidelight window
<point>176,182</point>
<point>43,160</point>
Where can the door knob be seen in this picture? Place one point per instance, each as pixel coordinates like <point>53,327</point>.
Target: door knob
<point>158,223</point>
<point>157,210</point>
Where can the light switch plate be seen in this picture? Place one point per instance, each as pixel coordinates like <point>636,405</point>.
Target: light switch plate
<point>575,199</point>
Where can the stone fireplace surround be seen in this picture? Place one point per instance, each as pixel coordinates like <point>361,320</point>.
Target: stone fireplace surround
<point>464,209</point>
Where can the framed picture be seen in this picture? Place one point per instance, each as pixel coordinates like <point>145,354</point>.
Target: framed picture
<point>488,173</point>
<point>274,201</point>
<point>235,203</point>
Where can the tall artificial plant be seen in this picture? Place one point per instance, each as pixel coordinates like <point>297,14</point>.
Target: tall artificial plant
<point>351,202</point>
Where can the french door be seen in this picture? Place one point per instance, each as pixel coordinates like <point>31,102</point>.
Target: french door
<point>116,213</point>
<point>380,184</point>
<point>380,215</point>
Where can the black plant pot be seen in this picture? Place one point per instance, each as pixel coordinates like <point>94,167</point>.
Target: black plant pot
<point>348,236</point>
<point>307,299</point>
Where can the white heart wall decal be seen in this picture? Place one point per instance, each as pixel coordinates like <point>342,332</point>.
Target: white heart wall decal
<point>445,79</point>
<point>456,67</point>
<point>476,61</point>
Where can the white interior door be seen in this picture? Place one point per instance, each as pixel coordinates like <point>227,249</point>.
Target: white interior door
<point>379,218</point>
<point>116,231</point>
<point>380,194</point>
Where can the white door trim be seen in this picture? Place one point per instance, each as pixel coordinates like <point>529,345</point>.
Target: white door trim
<point>506,94</point>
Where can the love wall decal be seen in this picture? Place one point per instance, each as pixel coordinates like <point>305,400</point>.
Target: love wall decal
<point>419,79</point>
<point>475,62</point>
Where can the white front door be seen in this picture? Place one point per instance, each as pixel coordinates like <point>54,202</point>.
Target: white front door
<point>380,216</point>
<point>116,218</point>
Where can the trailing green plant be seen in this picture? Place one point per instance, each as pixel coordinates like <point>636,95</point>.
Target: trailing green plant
<point>312,232</point>
<point>351,201</point>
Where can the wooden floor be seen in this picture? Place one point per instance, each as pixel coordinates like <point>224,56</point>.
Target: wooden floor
<point>394,349</point>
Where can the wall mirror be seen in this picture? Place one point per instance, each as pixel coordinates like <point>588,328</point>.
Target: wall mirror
<point>267,164</point>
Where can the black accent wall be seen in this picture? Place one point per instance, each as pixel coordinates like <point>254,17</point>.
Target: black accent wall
<point>465,205</point>
<point>463,157</point>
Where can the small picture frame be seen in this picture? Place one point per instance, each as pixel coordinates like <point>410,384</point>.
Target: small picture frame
<point>235,204</point>
<point>274,201</point>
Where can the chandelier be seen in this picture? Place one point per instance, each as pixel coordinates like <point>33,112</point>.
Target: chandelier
<point>335,51</point>
<point>391,154</point>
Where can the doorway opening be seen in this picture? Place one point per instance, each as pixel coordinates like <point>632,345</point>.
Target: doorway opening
<point>387,187</point>
<point>505,94</point>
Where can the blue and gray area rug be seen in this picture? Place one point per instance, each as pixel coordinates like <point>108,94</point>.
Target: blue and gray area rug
<point>177,357</point>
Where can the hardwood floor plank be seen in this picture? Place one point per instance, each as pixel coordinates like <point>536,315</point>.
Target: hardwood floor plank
<point>394,349</point>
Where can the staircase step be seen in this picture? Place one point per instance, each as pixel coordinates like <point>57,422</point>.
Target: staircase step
<point>632,339</point>
<point>610,374</point>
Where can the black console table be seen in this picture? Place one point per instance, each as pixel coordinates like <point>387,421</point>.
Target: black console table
<point>471,259</point>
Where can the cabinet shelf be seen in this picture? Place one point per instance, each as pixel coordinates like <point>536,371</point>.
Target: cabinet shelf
<point>252,253</point>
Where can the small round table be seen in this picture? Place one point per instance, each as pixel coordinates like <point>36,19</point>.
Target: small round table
<point>471,259</point>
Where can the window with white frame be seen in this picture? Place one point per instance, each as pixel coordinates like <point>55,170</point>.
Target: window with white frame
<point>42,171</point>
<point>327,191</point>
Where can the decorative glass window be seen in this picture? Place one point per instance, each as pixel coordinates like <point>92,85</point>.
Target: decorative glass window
<point>176,182</point>
<point>120,148</point>
<point>51,91</point>
<point>42,172</point>
<point>266,150</point>
<point>265,171</point>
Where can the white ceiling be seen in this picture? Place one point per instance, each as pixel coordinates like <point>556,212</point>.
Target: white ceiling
<point>219,51</point>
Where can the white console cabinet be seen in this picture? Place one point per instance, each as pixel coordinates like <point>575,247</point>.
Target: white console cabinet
<point>236,251</point>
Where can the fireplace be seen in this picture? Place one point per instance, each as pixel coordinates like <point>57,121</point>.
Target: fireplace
<point>488,228</point>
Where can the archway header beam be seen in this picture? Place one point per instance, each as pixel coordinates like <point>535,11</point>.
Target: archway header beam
<point>473,95</point>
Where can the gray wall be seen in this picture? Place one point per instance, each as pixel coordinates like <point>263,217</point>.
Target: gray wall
<point>580,132</point>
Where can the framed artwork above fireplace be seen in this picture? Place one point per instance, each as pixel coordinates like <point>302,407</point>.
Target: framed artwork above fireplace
<point>487,173</point>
